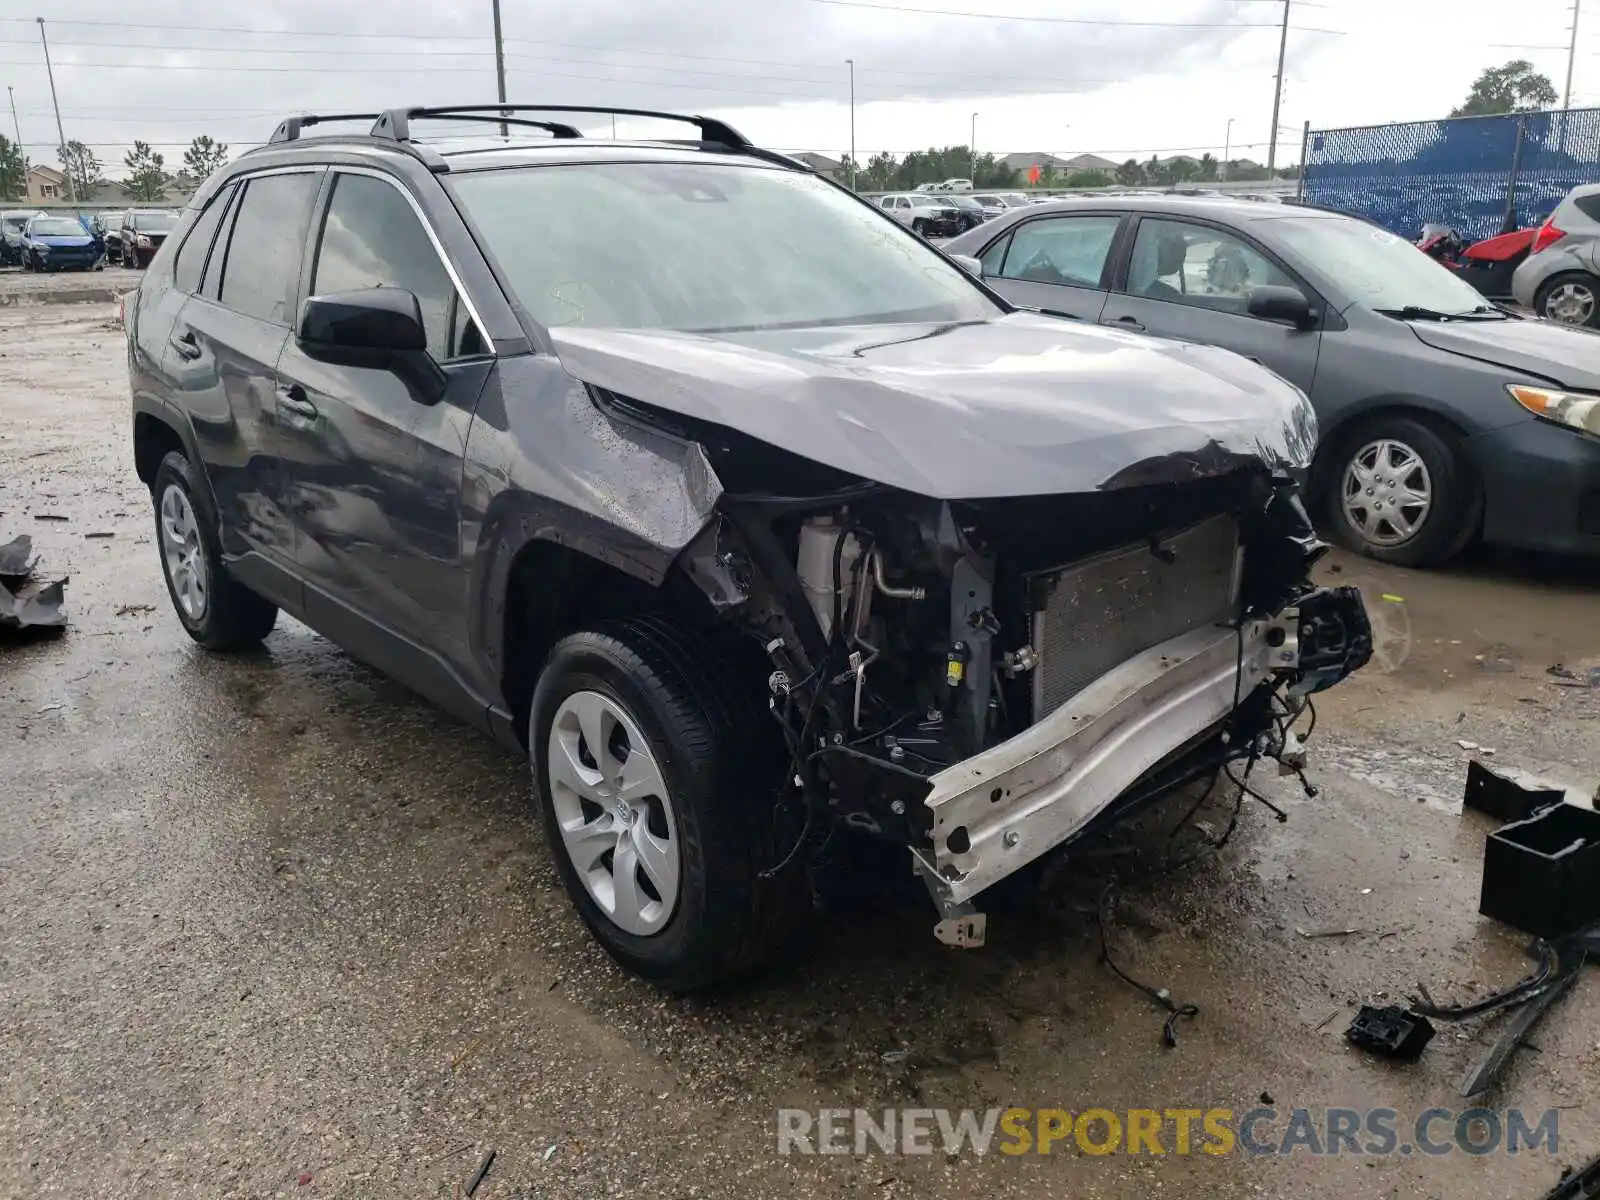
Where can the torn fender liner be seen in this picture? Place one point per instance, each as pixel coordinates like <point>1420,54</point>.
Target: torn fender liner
<point>1018,406</point>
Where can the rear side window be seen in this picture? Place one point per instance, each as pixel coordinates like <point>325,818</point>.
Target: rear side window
<point>192,254</point>
<point>372,238</point>
<point>1589,206</point>
<point>263,263</point>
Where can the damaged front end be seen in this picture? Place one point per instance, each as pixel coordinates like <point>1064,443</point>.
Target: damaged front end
<point>982,681</point>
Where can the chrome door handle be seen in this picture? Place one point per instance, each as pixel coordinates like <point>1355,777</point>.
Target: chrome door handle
<point>294,399</point>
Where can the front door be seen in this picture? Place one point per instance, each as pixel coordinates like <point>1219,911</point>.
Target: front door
<point>1055,263</point>
<point>1192,281</point>
<point>374,465</point>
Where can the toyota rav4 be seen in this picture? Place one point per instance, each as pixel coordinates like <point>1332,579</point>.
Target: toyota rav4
<point>743,511</point>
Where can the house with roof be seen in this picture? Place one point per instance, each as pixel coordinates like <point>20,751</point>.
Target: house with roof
<point>46,184</point>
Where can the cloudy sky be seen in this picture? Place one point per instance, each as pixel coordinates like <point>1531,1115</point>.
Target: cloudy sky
<point>1066,76</point>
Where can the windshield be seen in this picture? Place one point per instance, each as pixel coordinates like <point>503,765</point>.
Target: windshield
<point>1376,268</point>
<point>964,202</point>
<point>703,247</point>
<point>154,222</point>
<point>58,227</point>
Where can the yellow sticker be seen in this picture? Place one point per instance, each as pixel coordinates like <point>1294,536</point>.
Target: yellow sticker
<point>1392,599</point>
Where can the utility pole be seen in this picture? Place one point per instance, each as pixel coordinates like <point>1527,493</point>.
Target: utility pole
<point>1227,146</point>
<point>1277,92</point>
<point>500,64</point>
<point>852,64</point>
<point>72,190</point>
<point>974,149</point>
<point>1572,55</point>
<point>15,124</point>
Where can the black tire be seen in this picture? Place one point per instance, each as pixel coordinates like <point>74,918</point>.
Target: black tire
<point>233,617</point>
<point>1452,517</point>
<point>919,227</point>
<point>721,764</point>
<point>1581,280</point>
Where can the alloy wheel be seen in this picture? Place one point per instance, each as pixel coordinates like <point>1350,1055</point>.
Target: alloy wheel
<point>1570,303</point>
<point>614,812</point>
<point>1387,492</point>
<point>183,554</point>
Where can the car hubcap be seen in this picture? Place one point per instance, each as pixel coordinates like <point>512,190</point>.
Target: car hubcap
<point>183,554</point>
<point>614,812</point>
<point>1571,304</point>
<point>1387,493</point>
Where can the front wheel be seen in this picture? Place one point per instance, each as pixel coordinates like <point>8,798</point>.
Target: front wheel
<point>1572,298</point>
<point>657,781</point>
<point>216,611</point>
<point>1402,493</point>
<point>920,228</point>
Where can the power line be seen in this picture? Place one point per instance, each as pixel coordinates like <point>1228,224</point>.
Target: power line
<point>1116,22</point>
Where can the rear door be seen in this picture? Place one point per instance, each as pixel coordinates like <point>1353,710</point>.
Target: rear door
<point>223,355</point>
<point>375,467</point>
<point>1191,280</point>
<point>1058,263</point>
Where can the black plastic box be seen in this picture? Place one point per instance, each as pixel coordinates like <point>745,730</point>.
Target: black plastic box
<point>1488,791</point>
<point>1542,875</point>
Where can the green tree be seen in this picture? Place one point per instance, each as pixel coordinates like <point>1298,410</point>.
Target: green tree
<point>1130,173</point>
<point>1515,87</point>
<point>147,175</point>
<point>1155,172</point>
<point>1089,179</point>
<point>1182,169</point>
<point>84,170</point>
<point>13,171</point>
<point>1207,168</point>
<point>203,157</point>
<point>880,173</point>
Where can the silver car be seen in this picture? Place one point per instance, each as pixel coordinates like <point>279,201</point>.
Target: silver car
<point>1560,278</point>
<point>931,216</point>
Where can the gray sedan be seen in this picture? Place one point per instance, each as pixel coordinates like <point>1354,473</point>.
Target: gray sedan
<point>1443,418</point>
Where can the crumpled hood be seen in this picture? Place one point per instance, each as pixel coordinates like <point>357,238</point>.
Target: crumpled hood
<point>1018,406</point>
<point>1566,357</point>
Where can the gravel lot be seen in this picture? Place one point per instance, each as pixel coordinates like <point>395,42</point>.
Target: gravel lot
<point>272,926</point>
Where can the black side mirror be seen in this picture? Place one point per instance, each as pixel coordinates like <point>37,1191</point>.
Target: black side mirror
<point>380,328</point>
<point>1272,302</point>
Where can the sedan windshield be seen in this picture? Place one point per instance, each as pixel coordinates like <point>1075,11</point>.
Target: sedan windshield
<point>154,222</point>
<point>1379,270</point>
<point>702,247</point>
<point>58,227</point>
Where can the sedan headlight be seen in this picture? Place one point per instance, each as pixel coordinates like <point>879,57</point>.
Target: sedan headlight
<point>1572,409</point>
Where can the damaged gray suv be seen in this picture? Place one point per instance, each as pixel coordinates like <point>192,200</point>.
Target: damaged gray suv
<point>744,512</point>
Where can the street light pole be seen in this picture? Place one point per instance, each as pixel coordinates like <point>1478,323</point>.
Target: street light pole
<point>973,147</point>
<point>1572,55</point>
<point>852,64</point>
<point>1227,146</point>
<point>72,191</point>
<point>500,65</point>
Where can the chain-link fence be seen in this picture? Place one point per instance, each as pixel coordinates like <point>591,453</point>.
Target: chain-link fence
<point>1481,175</point>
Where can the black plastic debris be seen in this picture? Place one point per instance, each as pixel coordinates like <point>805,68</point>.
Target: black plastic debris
<point>1539,874</point>
<point>27,603</point>
<point>1497,794</point>
<point>1579,1185</point>
<point>1392,1032</point>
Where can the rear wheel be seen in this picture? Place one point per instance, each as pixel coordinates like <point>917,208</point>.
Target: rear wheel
<point>657,783</point>
<point>1401,493</point>
<point>1571,299</point>
<point>217,612</point>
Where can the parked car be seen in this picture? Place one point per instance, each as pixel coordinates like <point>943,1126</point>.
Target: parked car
<point>734,564</point>
<point>931,216</point>
<point>108,225</point>
<point>142,233</point>
<point>1560,278</point>
<point>12,223</point>
<point>969,213</point>
<point>1442,417</point>
<point>53,243</point>
<point>956,185</point>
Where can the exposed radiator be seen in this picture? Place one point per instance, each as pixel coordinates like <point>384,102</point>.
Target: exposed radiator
<point>1102,611</point>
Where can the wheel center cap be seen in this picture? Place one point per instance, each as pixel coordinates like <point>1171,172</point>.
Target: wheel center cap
<point>623,812</point>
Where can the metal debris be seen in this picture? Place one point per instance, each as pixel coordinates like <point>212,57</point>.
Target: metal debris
<point>16,559</point>
<point>483,1169</point>
<point>26,602</point>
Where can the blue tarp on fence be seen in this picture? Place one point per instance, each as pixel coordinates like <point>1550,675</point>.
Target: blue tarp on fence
<point>1461,172</point>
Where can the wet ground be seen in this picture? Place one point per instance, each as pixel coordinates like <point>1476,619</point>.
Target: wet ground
<point>274,927</point>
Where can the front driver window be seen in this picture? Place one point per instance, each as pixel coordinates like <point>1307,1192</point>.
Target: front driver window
<point>1193,264</point>
<point>1070,250</point>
